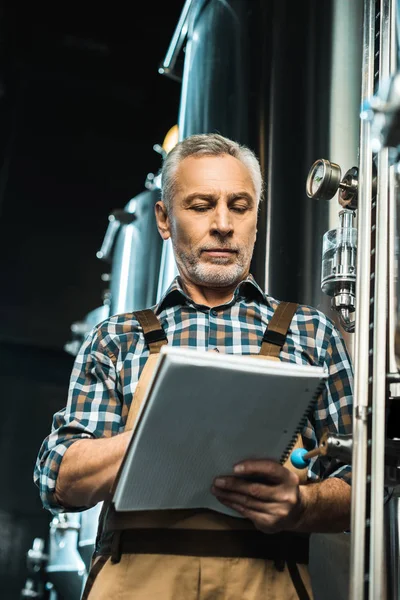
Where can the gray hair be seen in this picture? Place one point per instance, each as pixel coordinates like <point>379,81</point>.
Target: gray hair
<point>206,144</point>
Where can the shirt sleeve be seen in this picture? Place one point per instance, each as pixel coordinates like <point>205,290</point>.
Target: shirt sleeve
<point>93,410</point>
<point>334,409</point>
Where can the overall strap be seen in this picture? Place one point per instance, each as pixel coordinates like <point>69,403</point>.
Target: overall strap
<point>153,331</point>
<point>276,332</point>
<point>155,337</point>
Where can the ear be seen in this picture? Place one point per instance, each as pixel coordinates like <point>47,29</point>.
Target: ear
<point>162,220</point>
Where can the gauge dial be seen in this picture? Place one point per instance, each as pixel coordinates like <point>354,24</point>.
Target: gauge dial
<point>323,180</point>
<point>317,177</point>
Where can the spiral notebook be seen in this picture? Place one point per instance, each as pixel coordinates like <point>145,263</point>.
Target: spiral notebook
<point>203,412</point>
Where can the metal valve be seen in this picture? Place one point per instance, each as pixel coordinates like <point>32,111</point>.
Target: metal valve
<point>325,179</point>
<point>36,556</point>
<point>116,219</point>
<point>339,248</point>
<point>339,264</point>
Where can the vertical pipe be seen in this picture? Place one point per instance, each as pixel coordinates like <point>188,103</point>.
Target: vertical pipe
<point>392,528</point>
<point>392,307</point>
<point>345,90</point>
<point>269,169</point>
<point>345,94</point>
<point>377,581</point>
<point>186,80</point>
<point>361,349</point>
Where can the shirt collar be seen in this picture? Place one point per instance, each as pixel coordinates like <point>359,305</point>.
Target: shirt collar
<point>246,289</point>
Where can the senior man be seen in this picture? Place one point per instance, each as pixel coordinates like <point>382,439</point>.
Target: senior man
<point>211,189</point>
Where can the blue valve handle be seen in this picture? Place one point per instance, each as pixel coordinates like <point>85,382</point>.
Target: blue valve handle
<point>297,458</point>
<point>328,444</point>
<point>301,458</point>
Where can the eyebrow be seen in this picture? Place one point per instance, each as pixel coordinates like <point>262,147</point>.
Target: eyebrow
<point>240,195</point>
<point>214,197</point>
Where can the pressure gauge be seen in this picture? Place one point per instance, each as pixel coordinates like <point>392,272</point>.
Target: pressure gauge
<point>323,180</point>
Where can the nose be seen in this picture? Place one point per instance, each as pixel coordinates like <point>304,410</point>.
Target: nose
<point>222,222</point>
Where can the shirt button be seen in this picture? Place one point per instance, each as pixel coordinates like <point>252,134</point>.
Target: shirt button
<point>214,313</point>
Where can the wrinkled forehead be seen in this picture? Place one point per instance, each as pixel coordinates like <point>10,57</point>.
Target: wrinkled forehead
<point>213,174</point>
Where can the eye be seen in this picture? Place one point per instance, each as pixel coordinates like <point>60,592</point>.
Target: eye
<point>240,208</point>
<point>200,207</point>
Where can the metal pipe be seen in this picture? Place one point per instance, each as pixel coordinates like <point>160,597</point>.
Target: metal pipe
<point>392,307</point>
<point>168,64</point>
<point>361,350</point>
<point>377,571</point>
<point>185,87</point>
<point>392,294</point>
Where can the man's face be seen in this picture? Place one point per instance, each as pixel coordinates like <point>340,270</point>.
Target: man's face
<point>212,221</point>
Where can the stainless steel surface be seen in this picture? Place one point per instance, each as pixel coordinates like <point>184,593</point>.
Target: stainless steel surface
<point>377,572</point>
<point>377,583</point>
<point>392,508</point>
<point>236,53</point>
<point>323,180</point>
<point>361,346</point>
<point>136,257</point>
<point>65,568</point>
<point>339,446</point>
<point>140,265</point>
<point>394,222</point>
<point>339,268</point>
<point>89,520</point>
<point>346,320</point>
<point>29,590</point>
<point>109,238</point>
<point>168,269</point>
<point>393,360</point>
<point>349,189</point>
<point>36,556</point>
<point>339,254</point>
<point>397,267</point>
<point>345,94</point>
<point>344,299</point>
<point>178,38</point>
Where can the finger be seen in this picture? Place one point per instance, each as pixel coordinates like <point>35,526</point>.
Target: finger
<point>276,509</point>
<point>246,502</point>
<point>270,470</point>
<point>263,522</point>
<point>257,490</point>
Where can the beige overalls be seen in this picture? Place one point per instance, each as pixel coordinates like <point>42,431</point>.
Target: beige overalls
<point>196,554</point>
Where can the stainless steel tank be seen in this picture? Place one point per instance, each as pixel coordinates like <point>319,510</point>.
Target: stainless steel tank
<point>262,72</point>
<point>133,247</point>
<point>139,267</point>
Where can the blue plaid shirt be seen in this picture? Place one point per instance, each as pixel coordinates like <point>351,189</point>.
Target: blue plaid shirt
<point>111,359</point>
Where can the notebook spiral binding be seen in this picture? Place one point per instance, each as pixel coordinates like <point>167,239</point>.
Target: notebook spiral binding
<point>302,422</point>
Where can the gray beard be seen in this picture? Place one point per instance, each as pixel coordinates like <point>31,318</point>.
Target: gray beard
<point>215,274</point>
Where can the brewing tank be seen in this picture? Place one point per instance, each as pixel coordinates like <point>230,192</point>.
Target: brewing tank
<point>138,264</point>
<point>270,74</point>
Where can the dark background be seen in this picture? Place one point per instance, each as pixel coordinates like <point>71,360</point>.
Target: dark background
<point>81,106</point>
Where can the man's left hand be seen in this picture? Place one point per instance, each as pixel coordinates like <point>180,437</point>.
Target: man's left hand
<point>263,491</point>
